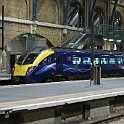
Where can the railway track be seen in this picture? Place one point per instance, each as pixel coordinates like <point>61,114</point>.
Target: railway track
<point>111,120</point>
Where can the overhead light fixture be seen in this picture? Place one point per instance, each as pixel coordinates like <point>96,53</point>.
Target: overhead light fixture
<point>110,39</point>
<point>118,41</point>
<point>105,39</point>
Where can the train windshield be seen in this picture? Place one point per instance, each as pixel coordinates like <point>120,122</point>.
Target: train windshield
<point>21,58</point>
<point>27,58</point>
<point>30,58</point>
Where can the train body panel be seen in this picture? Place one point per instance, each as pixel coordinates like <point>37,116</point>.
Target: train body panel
<point>72,64</point>
<point>57,62</point>
<point>45,69</point>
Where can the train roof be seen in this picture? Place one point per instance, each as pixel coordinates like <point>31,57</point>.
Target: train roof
<point>67,50</point>
<point>38,49</point>
<point>59,49</point>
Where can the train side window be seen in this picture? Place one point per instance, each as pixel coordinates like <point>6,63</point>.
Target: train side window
<point>86,60</point>
<point>112,61</point>
<point>49,60</point>
<point>104,60</point>
<point>76,60</point>
<point>119,61</point>
<point>45,61</point>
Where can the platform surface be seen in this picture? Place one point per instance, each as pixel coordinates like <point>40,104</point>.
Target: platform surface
<point>34,96</point>
<point>5,76</point>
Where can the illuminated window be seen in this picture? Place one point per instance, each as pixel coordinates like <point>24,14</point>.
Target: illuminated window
<point>112,61</point>
<point>104,60</point>
<point>97,60</point>
<point>86,60</point>
<point>119,61</point>
<point>76,60</point>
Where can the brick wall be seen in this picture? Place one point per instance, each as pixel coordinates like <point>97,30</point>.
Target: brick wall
<point>48,12</point>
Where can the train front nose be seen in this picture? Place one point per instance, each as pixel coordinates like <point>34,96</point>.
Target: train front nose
<point>30,75</point>
<point>30,70</point>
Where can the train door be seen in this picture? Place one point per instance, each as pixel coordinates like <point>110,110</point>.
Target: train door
<point>86,60</point>
<point>105,64</point>
<point>77,65</point>
<point>59,63</point>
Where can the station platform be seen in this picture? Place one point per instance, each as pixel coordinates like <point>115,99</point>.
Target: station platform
<point>4,76</point>
<point>35,96</point>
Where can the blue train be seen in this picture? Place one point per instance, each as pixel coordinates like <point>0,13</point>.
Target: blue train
<point>43,64</point>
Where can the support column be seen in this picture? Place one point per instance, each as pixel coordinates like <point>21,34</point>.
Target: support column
<point>67,4</point>
<point>113,12</point>
<point>92,39</point>
<point>35,7</point>
<point>86,13</point>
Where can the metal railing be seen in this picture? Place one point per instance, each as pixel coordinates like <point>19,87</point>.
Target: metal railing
<point>105,31</point>
<point>69,38</point>
<point>109,32</point>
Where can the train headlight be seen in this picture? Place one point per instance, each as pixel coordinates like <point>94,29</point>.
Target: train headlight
<point>30,70</point>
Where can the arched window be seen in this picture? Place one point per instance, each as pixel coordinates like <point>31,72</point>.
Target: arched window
<point>117,20</point>
<point>98,16</point>
<point>73,13</point>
